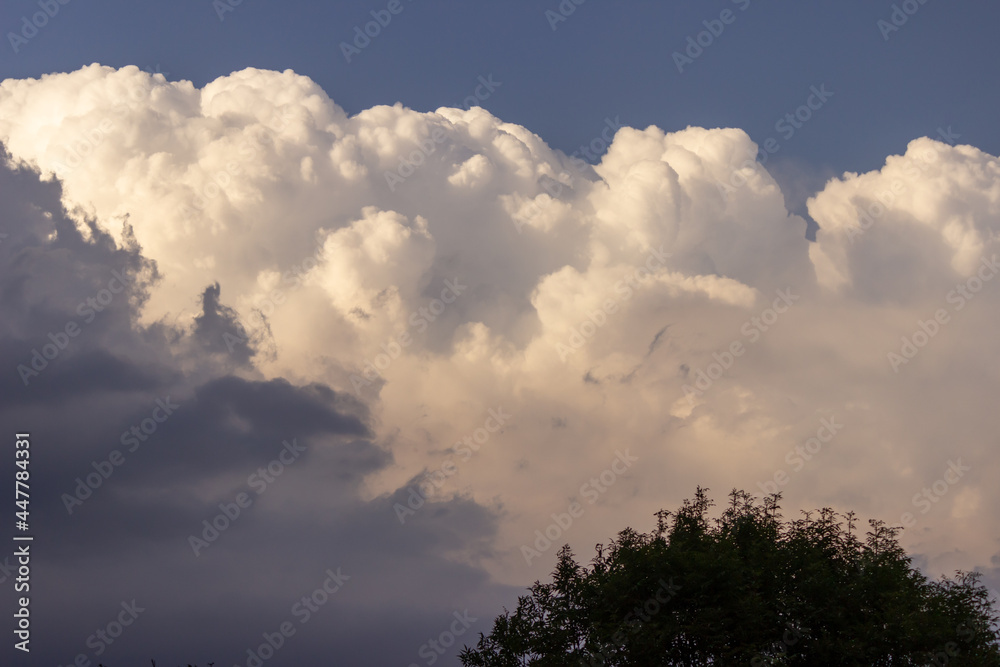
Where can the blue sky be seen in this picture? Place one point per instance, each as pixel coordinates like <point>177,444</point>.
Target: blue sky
<point>605,60</point>
<point>462,330</point>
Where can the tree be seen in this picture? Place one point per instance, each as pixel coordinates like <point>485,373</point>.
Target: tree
<point>746,589</point>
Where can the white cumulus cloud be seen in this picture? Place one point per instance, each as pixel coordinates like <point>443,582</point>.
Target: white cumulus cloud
<point>457,263</point>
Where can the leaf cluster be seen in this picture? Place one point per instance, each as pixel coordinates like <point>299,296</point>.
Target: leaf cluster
<point>746,588</point>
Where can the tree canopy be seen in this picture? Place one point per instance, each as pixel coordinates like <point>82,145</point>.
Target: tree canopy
<point>747,588</point>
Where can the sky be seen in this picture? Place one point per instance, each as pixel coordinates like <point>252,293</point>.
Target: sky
<point>325,341</point>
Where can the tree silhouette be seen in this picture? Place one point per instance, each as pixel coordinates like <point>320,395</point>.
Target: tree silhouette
<point>746,589</point>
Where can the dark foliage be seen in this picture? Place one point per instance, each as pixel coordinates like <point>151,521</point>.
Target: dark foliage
<point>746,589</point>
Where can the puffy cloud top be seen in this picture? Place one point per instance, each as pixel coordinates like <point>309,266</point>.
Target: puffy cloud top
<point>436,266</point>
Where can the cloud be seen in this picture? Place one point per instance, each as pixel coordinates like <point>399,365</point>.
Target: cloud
<point>144,436</point>
<point>408,272</point>
<point>926,218</point>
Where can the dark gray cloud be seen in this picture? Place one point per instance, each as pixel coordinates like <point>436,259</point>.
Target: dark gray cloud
<point>141,433</point>
<point>219,330</point>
